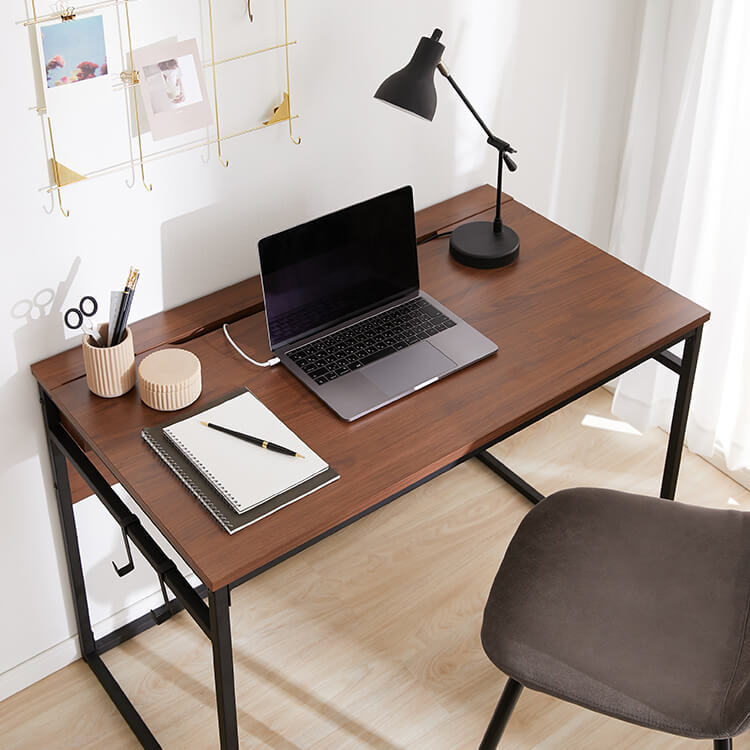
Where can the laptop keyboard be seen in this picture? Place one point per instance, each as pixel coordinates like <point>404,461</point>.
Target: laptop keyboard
<point>369,340</point>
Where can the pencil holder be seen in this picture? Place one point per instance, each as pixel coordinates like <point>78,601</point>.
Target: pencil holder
<point>110,370</point>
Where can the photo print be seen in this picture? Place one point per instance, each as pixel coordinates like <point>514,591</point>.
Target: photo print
<point>74,51</point>
<point>173,88</point>
<point>89,118</point>
<point>172,83</point>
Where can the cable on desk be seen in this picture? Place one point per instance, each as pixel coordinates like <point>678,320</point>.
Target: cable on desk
<point>270,363</point>
<point>431,237</point>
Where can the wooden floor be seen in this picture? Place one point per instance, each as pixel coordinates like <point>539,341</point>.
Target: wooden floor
<point>371,638</point>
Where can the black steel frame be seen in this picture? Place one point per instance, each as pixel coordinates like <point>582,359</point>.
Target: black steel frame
<point>684,366</point>
<point>213,618</point>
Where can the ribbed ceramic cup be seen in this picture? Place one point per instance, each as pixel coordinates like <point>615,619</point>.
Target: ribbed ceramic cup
<point>110,370</point>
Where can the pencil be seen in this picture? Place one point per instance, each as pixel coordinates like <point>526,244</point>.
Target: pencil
<point>267,444</point>
<point>127,300</point>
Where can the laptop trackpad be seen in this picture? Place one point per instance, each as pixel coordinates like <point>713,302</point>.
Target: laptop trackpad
<point>402,371</point>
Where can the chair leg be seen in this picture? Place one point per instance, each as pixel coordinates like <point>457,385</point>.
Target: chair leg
<point>725,744</point>
<point>499,720</point>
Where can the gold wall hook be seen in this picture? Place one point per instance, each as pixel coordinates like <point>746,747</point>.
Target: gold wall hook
<point>249,11</point>
<point>282,113</point>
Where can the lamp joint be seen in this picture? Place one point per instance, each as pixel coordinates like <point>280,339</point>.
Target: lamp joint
<point>500,144</point>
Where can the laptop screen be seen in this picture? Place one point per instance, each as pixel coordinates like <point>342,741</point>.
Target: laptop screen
<point>341,265</point>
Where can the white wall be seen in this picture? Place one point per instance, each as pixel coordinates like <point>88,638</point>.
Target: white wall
<point>553,81</point>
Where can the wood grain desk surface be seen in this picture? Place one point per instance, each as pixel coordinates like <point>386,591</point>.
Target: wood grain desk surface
<point>565,316</point>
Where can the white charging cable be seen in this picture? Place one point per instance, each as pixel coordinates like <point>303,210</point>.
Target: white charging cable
<point>270,363</point>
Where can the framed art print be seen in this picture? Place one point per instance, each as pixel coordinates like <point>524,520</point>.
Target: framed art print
<point>173,88</point>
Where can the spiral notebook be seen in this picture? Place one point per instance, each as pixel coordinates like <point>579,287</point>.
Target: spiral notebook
<point>237,482</point>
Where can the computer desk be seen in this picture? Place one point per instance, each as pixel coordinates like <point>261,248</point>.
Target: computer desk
<point>566,316</point>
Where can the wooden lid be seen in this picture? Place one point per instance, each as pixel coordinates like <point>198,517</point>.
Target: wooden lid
<point>169,379</point>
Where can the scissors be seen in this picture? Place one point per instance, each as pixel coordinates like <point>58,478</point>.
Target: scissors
<point>74,317</point>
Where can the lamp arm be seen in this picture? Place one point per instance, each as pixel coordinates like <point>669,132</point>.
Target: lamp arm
<point>503,147</point>
<point>444,71</point>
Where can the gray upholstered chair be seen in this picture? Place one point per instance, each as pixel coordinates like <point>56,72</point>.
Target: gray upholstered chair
<point>631,606</point>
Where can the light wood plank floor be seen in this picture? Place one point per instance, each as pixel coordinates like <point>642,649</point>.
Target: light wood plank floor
<point>370,639</point>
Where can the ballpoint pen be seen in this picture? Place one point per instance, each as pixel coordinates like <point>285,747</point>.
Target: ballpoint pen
<point>267,444</point>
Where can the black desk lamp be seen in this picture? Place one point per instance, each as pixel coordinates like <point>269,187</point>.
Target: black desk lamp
<point>480,244</point>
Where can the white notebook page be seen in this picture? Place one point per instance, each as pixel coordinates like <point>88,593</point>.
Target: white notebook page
<point>245,474</point>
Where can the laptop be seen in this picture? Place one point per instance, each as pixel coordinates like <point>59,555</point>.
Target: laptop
<point>345,313</point>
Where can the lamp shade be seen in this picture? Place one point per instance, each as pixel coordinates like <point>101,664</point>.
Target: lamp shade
<point>413,87</point>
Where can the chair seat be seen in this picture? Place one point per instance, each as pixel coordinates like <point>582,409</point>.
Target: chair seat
<point>631,606</point>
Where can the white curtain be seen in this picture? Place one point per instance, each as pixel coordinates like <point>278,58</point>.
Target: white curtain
<point>683,210</point>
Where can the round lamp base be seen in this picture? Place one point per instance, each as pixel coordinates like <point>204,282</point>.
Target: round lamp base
<point>476,245</point>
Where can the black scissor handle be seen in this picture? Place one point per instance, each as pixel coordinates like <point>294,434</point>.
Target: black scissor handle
<point>77,316</point>
<point>94,306</point>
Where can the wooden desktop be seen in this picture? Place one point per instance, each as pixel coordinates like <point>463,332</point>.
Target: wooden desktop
<point>566,316</point>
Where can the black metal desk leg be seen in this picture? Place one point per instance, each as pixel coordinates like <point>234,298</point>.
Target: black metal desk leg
<point>70,537</point>
<point>680,414</point>
<point>75,571</point>
<point>221,639</point>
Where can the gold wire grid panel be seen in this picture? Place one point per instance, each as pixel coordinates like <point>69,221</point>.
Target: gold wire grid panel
<point>64,176</point>
<point>68,13</point>
<point>158,155</point>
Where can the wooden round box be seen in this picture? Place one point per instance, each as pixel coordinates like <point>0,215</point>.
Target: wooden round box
<point>169,379</point>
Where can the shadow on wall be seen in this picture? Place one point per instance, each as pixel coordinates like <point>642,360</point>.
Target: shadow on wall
<point>478,64</point>
<point>570,88</point>
<point>206,250</point>
<point>42,325</point>
<point>217,246</point>
<point>41,331</point>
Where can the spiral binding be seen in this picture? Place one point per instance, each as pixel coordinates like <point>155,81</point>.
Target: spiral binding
<point>187,481</point>
<point>228,496</point>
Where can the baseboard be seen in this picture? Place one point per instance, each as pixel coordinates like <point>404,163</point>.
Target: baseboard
<point>741,476</point>
<point>38,667</point>
<point>61,654</point>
